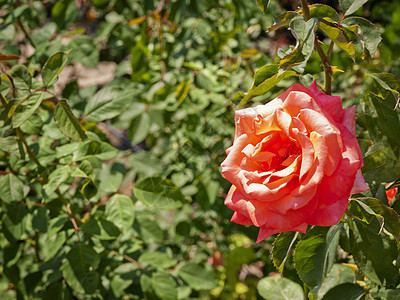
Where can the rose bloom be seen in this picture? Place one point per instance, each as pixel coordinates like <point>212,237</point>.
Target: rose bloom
<point>390,194</point>
<point>294,161</point>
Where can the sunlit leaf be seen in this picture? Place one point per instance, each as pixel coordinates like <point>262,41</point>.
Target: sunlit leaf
<point>67,122</point>
<point>339,37</point>
<point>351,6</point>
<point>315,254</point>
<point>263,5</point>
<point>53,67</point>
<point>276,288</point>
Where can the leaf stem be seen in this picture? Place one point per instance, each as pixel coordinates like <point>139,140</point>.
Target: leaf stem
<point>21,136</point>
<point>325,58</point>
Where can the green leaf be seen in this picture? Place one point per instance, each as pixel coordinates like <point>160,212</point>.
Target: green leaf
<point>12,189</point>
<point>391,220</point>
<point>304,32</point>
<point>12,145</point>
<point>263,5</point>
<point>100,150</point>
<point>275,288</point>
<point>344,291</point>
<point>266,80</point>
<point>182,91</point>
<point>79,269</point>
<point>351,6</point>
<point>89,189</point>
<point>57,177</point>
<point>64,13</point>
<point>282,247</point>
<point>14,222</point>
<point>315,254</point>
<point>283,20</point>
<point>84,50</point>
<point>339,37</point>
<point>123,278</point>
<point>197,276</point>
<point>21,77</point>
<point>374,253</point>
<point>67,123</point>
<point>388,82</point>
<point>158,193</point>
<point>337,275</point>
<point>146,163</point>
<point>158,260</point>
<point>388,119</point>
<point>149,230</point>
<point>237,97</point>
<point>321,11</point>
<point>26,108</point>
<point>40,219</point>
<point>108,103</point>
<point>32,125</point>
<point>101,228</point>
<point>139,128</point>
<point>164,286</point>
<point>120,211</point>
<point>369,31</point>
<point>50,245</point>
<point>53,67</point>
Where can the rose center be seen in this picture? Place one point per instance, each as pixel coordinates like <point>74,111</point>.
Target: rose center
<point>275,152</point>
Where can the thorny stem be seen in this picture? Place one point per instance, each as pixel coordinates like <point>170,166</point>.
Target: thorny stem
<point>325,58</point>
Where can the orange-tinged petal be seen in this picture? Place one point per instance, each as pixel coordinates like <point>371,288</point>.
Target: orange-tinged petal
<point>319,123</point>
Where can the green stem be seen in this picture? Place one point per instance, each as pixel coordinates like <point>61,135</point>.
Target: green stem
<point>21,136</point>
<point>27,35</point>
<point>325,58</point>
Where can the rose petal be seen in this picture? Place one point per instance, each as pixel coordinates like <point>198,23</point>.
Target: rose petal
<point>240,219</point>
<point>341,182</point>
<point>297,100</point>
<point>349,119</point>
<point>319,123</point>
<point>327,215</point>
<point>359,184</point>
<point>266,232</point>
<point>244,118</point>
<point>331,104</point>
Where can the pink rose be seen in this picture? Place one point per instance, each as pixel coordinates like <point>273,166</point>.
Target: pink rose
<point>294,161</point>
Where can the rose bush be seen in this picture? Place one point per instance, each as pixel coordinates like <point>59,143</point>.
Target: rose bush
<point>294,161</point>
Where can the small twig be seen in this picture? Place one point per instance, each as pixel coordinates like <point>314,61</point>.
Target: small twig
<point>71,215</point>
<point>27,35</point>
<point>22,138</point>
<point>325,58</point>
<point>130,259</point>
<point>10,78</point>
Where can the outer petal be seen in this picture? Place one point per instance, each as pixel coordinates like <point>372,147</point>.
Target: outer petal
<point>341,182</point>
<point>240,219</point>
<point>331,104</point>
<point>266,232</point>
<point>359,184</point>
<point>231,169</point>
<point>327,215</point>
